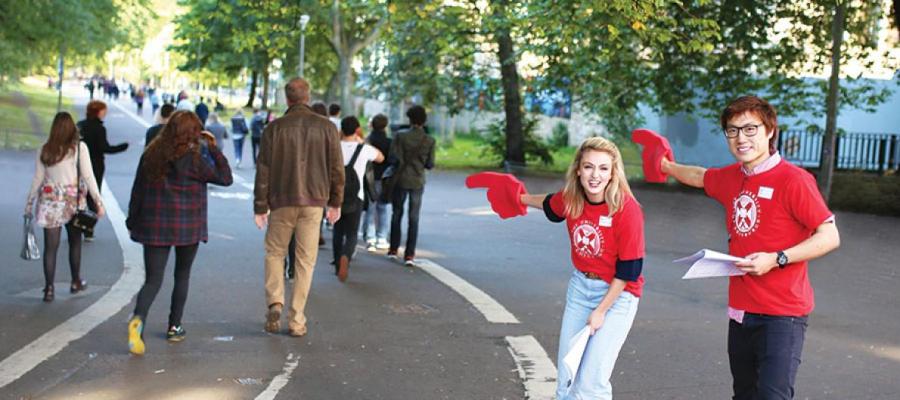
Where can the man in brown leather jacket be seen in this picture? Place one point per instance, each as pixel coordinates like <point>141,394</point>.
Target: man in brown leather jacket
<point>299,171</point>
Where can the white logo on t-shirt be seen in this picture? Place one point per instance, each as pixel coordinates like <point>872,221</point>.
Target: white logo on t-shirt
<point>587,239</point>
<point>746,213</point>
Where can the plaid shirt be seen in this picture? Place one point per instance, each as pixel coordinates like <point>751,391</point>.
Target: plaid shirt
<point>172,212</point>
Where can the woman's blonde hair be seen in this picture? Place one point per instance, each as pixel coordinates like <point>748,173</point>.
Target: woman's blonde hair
<point>617,188</point>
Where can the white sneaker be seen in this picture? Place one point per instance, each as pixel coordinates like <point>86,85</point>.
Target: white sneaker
<point>371,248</point>
<point>382,245</point>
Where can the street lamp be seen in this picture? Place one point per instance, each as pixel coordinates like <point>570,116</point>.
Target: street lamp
<point>304,19</point>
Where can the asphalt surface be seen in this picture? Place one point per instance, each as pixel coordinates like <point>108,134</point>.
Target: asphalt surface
<point>396,333</point>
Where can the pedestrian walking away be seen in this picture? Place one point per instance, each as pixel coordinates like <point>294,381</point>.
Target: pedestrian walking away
<point>257,124</point>
<point>606,233</point>
<point>93,133</point>
<point>412,152</point>
<point>334,115</point>
<point>299,171</point>
<point>217,129</point>
<point>777,220</point>
<point>202,111</point>
<point>356,155</point>
<point>62,180</point>
<point>152,132</point>
<point>376,223</point>
<point>239,130</point>
<point>168,209</point>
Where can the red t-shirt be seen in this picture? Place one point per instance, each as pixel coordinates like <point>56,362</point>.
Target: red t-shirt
<point>598,240</point>
<point>769,212</point>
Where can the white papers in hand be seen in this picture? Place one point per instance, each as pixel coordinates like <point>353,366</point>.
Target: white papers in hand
<point>708,263</point>
<point>573,358</point>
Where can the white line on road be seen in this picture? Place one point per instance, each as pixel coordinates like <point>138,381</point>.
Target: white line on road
<point>231,195</point>
<point>492,310</point>
<point>133,116</point>
<point>240,179</point>
<point>119,295</point>
<point>281,380</point>
<point>535,368</point>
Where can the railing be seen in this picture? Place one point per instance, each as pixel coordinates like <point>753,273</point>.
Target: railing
<point>854,151</point>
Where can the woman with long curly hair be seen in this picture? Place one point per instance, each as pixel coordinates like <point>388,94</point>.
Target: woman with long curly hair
<point>168,209</point>
<point>59,193</point>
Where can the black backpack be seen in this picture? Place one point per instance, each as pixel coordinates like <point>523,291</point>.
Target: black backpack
<point>351,202</point>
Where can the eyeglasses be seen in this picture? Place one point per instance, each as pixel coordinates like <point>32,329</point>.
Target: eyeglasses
<point>748,130</point>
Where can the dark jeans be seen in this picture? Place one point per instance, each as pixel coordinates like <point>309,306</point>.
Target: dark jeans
<point>254,145</point>
<point>764,353</point>
<point>52,237</point>
<point>345,235</point>
<point>91,204</point>
<point>412,233</point>
<point>155,259</point>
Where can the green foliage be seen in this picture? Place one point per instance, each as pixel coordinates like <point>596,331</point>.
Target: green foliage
<point>33,33</point>
<point>535,148</point>
<point>560,136</point>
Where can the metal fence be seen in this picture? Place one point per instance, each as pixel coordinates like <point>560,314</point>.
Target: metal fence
<point>877,152</point>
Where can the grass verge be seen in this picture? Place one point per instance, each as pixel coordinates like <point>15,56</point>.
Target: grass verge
<point>16,128</point>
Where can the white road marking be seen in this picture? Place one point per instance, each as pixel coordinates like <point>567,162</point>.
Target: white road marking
<point>492,310</point>
<point>535,368</point>
<point>243,182</point>
<point>231,195</point>
<point>133,116</point>
<point>119,295</point>
<point>281,380</point>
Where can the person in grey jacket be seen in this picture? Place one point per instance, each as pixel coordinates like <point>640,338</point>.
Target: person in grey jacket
<point>216,128</point>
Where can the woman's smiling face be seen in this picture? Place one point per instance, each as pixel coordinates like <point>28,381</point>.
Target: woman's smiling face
<point>594,174</point>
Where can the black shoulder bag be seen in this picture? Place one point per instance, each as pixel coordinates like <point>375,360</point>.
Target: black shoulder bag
<point>83,219</point>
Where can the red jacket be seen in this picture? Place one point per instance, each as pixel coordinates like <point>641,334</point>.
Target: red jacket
<point>172,212</point>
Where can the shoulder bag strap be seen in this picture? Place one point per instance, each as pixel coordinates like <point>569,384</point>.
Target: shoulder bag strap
<point>78,175</point>
<point>355,155</point>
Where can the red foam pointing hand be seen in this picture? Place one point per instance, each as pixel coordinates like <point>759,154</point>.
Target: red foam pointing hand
<point>504,192</point>
<point>656,147</point>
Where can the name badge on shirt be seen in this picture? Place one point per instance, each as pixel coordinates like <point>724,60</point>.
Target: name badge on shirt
<point>766,192</point>
<point>605,221</point>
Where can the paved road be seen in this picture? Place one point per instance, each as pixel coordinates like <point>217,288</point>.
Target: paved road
<point>395,333</point>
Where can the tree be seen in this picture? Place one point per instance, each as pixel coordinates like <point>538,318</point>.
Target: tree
<point>35,33</point>
<point>354,26</point>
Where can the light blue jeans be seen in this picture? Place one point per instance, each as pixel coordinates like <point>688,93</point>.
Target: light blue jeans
<point>376,223</point>
<point>592,380</point>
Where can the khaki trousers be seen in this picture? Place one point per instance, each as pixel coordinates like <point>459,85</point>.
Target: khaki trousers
<point>283,222</point>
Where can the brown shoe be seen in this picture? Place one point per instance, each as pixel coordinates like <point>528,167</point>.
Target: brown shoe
<point>297,332</point>
<point>273,318</point>
<point>343,268</point>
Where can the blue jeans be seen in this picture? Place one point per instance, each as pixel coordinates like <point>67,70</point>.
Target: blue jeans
<point>764,353</point>
<point>375,226</point>
<point>238,148</point>
<point>592,380</point>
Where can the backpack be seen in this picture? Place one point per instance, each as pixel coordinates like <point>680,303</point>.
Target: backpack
<point>351,202</point>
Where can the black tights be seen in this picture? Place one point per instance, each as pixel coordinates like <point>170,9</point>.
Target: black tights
<point>52,237</point>
<point>155,259</point>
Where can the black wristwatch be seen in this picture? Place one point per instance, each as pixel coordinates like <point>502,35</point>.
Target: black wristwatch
<point>782,259</point>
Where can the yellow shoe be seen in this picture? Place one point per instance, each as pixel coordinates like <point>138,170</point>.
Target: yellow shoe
<point>135,342</point>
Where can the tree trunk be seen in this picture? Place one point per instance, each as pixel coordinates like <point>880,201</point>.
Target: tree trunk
<point>826,165</point>
<point>331,90</point>
<point>252,96</point>
<point>265,92</point>
<point>345,83</point>
<point>512,101</point>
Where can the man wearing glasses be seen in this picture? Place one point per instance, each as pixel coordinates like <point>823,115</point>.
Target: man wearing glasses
<point>778,221</point>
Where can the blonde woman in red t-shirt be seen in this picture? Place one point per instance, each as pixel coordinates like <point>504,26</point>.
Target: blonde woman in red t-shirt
<point>606,230</point>
<point>777,220</point>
